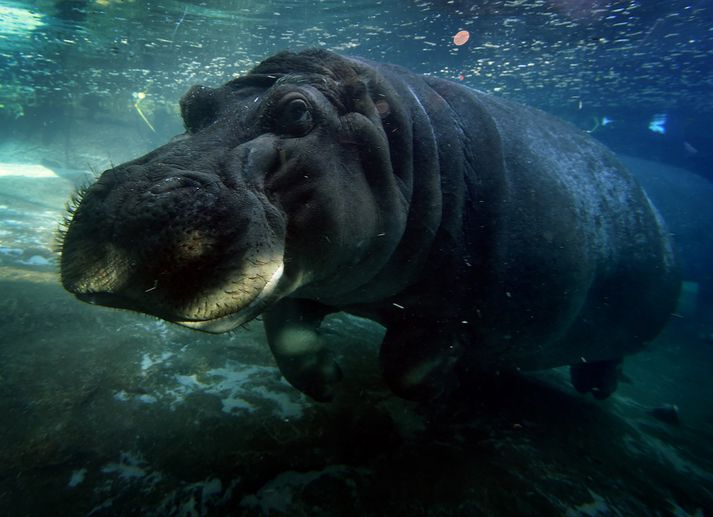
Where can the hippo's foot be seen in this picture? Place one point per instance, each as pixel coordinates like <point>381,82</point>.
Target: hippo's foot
<point>599,377</point>
<point>419,363</point>
<point>292,328</point>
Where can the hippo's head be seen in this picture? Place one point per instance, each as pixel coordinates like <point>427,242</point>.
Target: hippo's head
<point>282,185</point>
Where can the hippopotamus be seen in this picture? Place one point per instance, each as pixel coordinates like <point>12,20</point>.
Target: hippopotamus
<point>484,235</point>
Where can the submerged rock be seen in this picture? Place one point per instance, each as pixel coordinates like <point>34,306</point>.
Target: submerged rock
<point>667,413</point>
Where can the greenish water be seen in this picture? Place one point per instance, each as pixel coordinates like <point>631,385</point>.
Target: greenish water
<point>106,412</point>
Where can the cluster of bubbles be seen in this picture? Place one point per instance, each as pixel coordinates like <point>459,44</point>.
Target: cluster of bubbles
<point>550,53</point>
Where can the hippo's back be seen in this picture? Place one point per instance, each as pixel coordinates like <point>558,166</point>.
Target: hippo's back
<point>570,260</point>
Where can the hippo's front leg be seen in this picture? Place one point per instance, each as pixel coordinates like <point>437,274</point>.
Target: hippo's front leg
<point>292,328</point>
<point>419,359</point>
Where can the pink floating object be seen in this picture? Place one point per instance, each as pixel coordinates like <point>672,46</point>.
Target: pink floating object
<point>461,38</point>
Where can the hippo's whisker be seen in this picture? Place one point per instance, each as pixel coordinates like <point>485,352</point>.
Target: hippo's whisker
<point>75,199</point>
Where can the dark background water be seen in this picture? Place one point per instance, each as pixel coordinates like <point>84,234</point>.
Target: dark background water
<point>107,412</point>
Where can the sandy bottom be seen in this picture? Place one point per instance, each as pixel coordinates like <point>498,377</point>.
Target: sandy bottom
<point>106,412</point>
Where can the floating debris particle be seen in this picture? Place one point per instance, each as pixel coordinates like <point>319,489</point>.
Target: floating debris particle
<point>461,38</point>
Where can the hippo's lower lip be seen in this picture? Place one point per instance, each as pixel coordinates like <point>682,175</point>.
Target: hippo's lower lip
<point>267,296</point>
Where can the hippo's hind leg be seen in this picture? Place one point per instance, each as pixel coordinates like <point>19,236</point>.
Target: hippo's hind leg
<point>598,377</point>
<point>292,328</point>
<point>419,360</point>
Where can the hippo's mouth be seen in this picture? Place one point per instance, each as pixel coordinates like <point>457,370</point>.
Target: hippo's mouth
<point>266,297</point>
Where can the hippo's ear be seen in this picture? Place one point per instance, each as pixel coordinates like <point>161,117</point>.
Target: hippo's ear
<point>374,98</point>
<point>357,99</point>
<point>199,108</point>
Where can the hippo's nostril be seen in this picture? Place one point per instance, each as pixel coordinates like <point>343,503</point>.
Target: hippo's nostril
<point>173,183</point>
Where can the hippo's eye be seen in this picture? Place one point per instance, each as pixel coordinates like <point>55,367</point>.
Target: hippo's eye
<point>294,117</point>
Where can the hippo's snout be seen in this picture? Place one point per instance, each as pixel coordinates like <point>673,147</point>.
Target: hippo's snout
<point>183,246</point>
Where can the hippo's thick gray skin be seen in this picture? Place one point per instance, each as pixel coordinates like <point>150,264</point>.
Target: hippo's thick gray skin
<point>486,236</point>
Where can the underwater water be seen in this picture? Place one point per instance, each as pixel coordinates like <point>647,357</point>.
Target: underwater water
<point>110,412</point>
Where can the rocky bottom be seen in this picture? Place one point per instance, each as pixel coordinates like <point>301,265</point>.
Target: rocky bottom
<point>111,413</point>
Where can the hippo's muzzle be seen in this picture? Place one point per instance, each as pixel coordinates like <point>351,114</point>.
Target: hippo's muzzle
<point>180,245</point>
